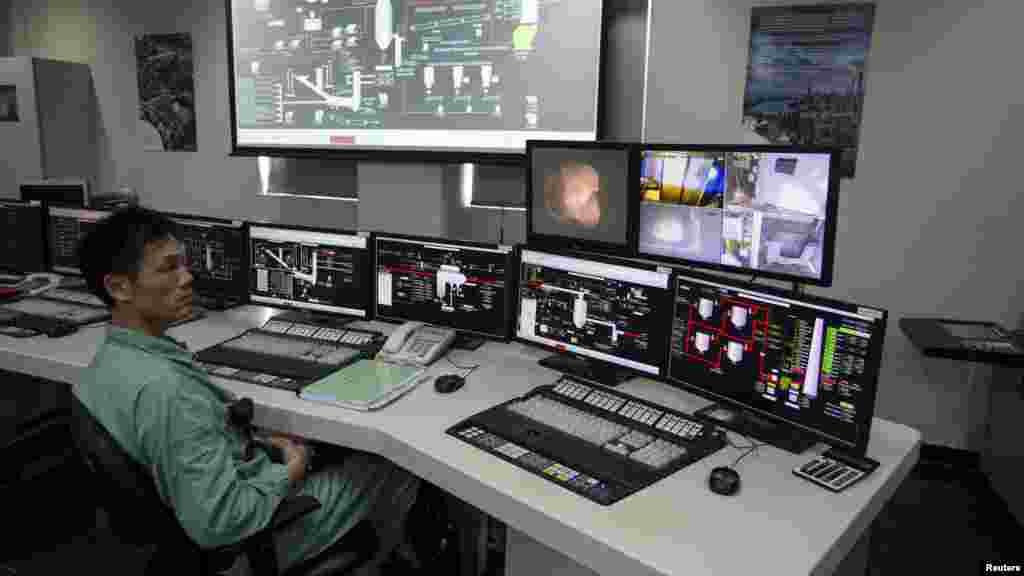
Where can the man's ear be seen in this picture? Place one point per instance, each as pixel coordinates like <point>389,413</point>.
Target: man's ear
<point>120,287</point>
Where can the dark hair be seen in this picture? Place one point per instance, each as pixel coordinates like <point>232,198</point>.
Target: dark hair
<point>117,244</point>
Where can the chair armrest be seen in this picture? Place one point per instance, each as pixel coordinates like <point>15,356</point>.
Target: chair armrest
<point>259,547</point>
<point>290,510</point>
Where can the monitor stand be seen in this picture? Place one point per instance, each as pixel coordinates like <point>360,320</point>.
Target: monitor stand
<point>467,341</point>
<point>306,317</point>
<point>749,424</point>
<point>587,368</point>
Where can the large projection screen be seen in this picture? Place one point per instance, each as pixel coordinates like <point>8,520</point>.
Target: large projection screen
<point>467,80</point>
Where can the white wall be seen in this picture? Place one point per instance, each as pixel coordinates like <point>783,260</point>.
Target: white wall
<point>101,33</point>
<point>929,226</point>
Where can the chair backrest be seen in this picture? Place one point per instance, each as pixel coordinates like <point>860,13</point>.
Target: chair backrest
<point>124,487</point>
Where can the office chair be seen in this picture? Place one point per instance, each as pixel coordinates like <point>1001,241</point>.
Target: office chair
<point>138,516</point>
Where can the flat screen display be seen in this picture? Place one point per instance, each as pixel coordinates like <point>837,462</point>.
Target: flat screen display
<point>442,76</point>
<point>809,362</point>
<point>579,196</point>
<point>310,270</point>
<point>608,312</point>
<point>456,284</point>
<point>759,211</point>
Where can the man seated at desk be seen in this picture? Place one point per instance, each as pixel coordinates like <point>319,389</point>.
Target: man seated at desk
<point>144,388</point>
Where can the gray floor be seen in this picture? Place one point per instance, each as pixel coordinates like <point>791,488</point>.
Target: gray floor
<point>941,521</point>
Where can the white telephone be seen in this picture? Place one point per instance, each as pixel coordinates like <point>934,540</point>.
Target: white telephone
<point>416,343</point>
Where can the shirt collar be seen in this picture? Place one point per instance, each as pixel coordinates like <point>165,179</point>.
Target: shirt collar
<point>159,345</point>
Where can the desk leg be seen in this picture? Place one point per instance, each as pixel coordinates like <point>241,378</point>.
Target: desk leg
<point>856,562</point>
<point>471,535</point>
<point>524,556</point>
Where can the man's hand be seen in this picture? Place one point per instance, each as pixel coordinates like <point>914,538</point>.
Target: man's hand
<point>296,455</point>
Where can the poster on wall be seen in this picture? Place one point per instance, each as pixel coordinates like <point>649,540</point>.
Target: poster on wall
<point>166,91</point>
<point>8,103</point>
<point>806,76</point>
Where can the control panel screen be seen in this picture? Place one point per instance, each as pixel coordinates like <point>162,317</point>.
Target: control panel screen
<point>312,270</point>
<point>810,362</point>
<point>21,237</point>
<point>68,226</point>
<point>216,253</point>
<point>608,312</point>
<point>755,211</point>
<point>445,283</point>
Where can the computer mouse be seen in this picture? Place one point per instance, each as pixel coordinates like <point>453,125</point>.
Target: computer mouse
<point>724,480</point>
<point>448,383</point>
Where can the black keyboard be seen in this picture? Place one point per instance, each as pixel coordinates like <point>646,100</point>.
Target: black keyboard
<point>52,327</point>
<point>288,361</point>
<point>597,442</point>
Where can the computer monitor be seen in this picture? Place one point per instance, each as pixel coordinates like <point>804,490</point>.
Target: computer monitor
<point>67,227</point>
<point>310,270</point>
<point>607,320</point>
<point>764,210</point>
<point>70,193</point>
<point>578,196</point>
<point>217,252</point>
<point>22,237</point>
<point>462,285</point>
<point>790,370</point>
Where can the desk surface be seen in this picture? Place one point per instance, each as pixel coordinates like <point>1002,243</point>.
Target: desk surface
<point>777,524</point>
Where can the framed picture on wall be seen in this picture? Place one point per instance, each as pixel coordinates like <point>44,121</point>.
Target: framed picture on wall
<point>806,76</point>
<point>8,103</point>
<point>166,91</point>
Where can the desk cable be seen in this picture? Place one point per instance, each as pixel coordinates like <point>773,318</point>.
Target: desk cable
<point>751,448</point>
<point>460,367</point>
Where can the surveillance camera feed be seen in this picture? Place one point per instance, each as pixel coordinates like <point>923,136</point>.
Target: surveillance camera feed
<point>761,211</point>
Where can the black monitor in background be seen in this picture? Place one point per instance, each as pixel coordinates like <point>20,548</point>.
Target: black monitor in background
<point>217,252</point>
<point>763,210</point>
<point>68,193</point>
<point>67,227</point>
<point>22,237</point>
<point>462,285</point>
<point>607,320</point>
<point>311,271</point>
<point>578,196</point>
<point>790,370</point>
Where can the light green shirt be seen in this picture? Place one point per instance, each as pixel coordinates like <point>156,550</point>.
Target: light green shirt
<point>168,416</point>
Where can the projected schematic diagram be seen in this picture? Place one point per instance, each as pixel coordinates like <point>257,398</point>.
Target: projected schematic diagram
<point>446,280</point>
<point>301,272</point>
<point>599,314</point>
<point>365,64</point>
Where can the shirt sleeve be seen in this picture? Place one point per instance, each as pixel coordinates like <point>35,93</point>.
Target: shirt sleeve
<point>218,498</point>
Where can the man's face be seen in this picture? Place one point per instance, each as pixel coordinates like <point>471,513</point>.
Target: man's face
<point>580,189</point>
<point>162,290</point>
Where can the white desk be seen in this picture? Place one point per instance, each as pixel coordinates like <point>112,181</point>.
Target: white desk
<point>777,524</point>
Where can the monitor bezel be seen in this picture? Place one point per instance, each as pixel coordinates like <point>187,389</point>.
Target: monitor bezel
<point>40,185</point>
<point>399,154</point>
<point>864,418</point>
<point>317,309</point>
<point>665,325</point>
<point>831,209</point>
<point>243,226</point>
<point>44,244</point>
<point>50,264</point>
<point>511,279</point>
<point>556,242</point>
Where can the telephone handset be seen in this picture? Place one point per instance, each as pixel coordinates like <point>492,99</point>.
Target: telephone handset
<point>416,343</point>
